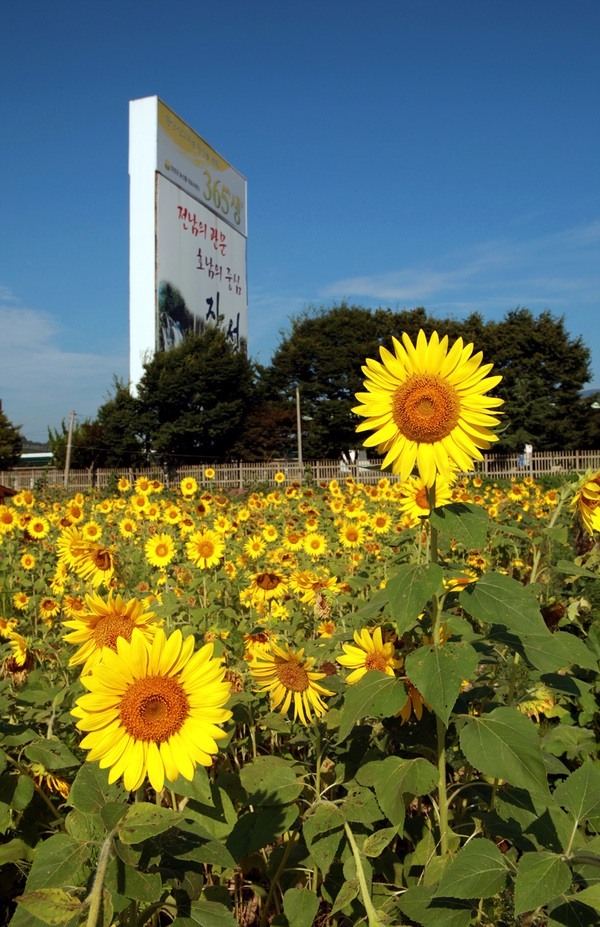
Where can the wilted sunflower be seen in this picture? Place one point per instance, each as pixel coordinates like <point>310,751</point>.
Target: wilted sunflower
<point>160,550</point>
<point>154,709</point>
<point>102,623</point>
<point>370,654</point>
<point>205,548</point>
<point>286,675</point>
<point>427,406</point>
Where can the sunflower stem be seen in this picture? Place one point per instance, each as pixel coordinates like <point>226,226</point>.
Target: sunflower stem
<point>286,855</point>
<point>372,916</point>
<point>442,793</point>
<point>94,898</point>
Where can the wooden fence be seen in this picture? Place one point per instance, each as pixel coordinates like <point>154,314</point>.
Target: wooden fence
<point>242,475</point>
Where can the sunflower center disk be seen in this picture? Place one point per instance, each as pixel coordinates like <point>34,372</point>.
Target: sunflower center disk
<point>426,408</point>
<point>205,550</point>
<point>154,708</point>
<point>102,559</point>
<point>293,677</point>
<point>162,550</point>
<point>110,628</point>
<point>268,581</point>
<point>376,661</point>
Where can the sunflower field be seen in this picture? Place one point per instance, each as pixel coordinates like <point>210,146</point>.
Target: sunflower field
<point>327,704</point>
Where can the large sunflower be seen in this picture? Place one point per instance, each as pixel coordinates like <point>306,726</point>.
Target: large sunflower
<point>286,675</point>
<point>160,550</point>
<point>102,623</point>
<point>154,709</point>
<point>427,406</point>
<point>370,654</point>
<point>587,501</point>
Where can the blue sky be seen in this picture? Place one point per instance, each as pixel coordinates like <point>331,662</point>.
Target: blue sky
<point>431,153</point>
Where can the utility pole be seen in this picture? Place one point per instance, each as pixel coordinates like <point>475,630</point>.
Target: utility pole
<point>69,442</point>
<point>299,429</point>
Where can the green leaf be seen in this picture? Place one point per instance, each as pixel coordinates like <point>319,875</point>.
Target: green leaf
<point>591,896</point>
<point>259,829</point>
<point>300,907</point>
<point>376,695</point>
<point>347,893</point>
<point>478,871</point>
<point>376,843</point>
<point>505,744</point>
<point>52,905</point>
<point>145,820</point>
<point>580,793</point>
<point>323,831</point>
<point>411,589</point>
<point>569,912</point>
<point>271,780</point>
<point>395,778</point>
<point>549,652</point>
<point>574,742</point>
<point>421,906</point>
<point>360,807</point>
<point>572,569</point>
<point>198,787</point>
<point>23,793</point>
<point>498,599</point>
<point>90,789</point>
<point>374,605</point>
<point>206,914</point>
<point>130,882</point>
<point>466,523</point>
<point>16,850</point>
<point>541,878</point>
<point>438,673</point>
<point>58,862</point>
<point>52,754</point>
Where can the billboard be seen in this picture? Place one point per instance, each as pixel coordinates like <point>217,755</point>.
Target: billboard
<point>188,226</point>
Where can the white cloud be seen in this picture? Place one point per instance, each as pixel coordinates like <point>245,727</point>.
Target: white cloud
<point>40,382</point>
<point>548,270</point>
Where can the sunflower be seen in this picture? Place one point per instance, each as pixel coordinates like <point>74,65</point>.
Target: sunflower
<point>270,533</point>
<point>127,527</point>
<point>414,496</point>
<point>279,477</point>
<point>370,654</point>
<point>91,531</point>
<point>315,544</point>
<point>154,709</point>
<point>21,601</point>
<point>427,405</point>
<point>381,522</point>
<point>102,623</point>
<point>94,564</point>
<point>38,527</point>
<point>351,535</point>
<point>143,485</point>
<point>72,606</point>
<point>255,546</point>
<point>160,550</point>
<point>8,519</point>
<point>286,675</point>
<point>268,585</point>
<point>28,561</point>
<point>209,473</point>
<point>123,484</point>
<point>205,548</point>
<point>48,608</point>
<point>587,501</point>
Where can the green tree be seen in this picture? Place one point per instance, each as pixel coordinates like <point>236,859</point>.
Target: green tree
<point>86,446</point>
<point>11,442</point>
<point>544,370</point>
<point>192,399</point>
<point>119,430</point>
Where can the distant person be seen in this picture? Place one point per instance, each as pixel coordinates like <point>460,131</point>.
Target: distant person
<point>528,455</point>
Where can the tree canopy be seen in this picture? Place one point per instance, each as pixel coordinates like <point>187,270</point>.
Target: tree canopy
<point>11,442</point>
